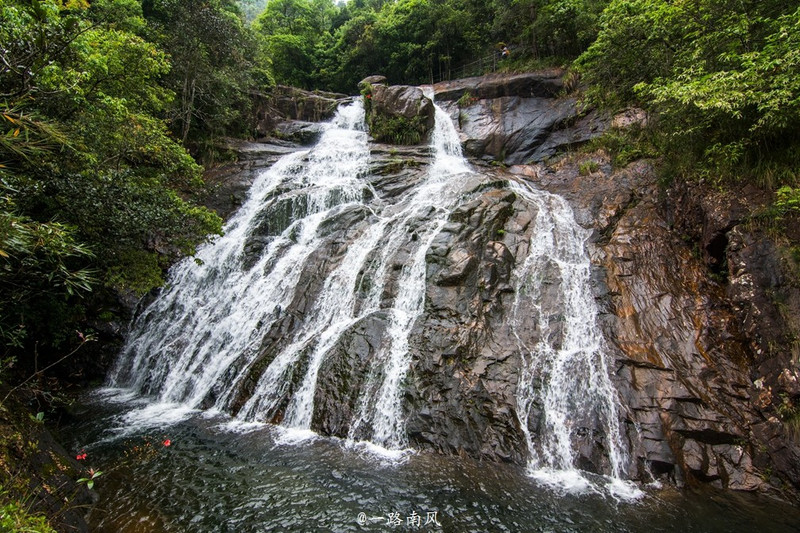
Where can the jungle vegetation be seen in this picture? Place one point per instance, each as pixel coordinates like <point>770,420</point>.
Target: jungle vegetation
<point>110,108</point>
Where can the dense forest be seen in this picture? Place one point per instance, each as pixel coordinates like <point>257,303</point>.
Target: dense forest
<point>110,109</point>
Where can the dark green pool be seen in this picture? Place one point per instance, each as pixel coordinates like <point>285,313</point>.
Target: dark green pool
<point>218,477</point>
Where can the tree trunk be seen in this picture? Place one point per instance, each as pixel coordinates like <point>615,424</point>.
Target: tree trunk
<point>187,106</point>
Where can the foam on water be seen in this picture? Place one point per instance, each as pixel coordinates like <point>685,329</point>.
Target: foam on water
<point>200,342</point>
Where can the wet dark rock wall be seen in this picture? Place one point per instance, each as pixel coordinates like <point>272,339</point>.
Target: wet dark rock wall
<point>689,320</point>
<point>698,303</point>
<point>517,118</point>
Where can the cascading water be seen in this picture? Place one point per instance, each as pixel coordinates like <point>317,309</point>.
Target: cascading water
<point>424,213</point>
<point>564,388</point>
<point>207,336</point>
<point>201,334</point>
<point>202,341</point>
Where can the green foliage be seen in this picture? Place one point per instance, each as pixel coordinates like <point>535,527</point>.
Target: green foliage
<point>540,29</point>
<point>722,78</point>
<point>626,145</point>
<point>212,56</point>
<point>466,100</point>
<point>252,8</point>
<point>396,130</point>
<point>14,517</point>
<point>93,474</point>
<point>41,266</point>
<point>91,175</point>
<point>636,43</point>
<point>588,167</point>
<point>322,44</point>
<point>295,35</point>
<point>787,200</point>
<point>789,413</point>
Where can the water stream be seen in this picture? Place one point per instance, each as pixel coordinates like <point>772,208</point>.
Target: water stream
<point>564,374</point>
<point>250,462</point>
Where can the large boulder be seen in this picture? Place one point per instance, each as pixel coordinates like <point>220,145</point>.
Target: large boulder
<point>543,84</point>
<point>376,79</point>
<point>399,114</point>
<point>517,118</point>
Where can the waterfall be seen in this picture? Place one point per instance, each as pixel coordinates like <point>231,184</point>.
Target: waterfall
<point>564,375</point>
<point>426,211</point>
<point>241,316</point>
<point>197,339</point>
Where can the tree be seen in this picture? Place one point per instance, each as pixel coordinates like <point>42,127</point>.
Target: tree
<point>90,176</point>
<point>721,75</point>
<point>211,55</point>
<point>292,31</point>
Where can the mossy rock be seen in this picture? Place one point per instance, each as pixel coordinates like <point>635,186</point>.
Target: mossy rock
<point>397,130</point>
<point>398,114</point>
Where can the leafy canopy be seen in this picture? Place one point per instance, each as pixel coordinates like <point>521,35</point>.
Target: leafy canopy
<point>90,174</point>
<point>722,76</point>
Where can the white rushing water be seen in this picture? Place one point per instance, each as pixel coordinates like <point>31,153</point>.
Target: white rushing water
<point>200,335</point>
<point>423,213</point>
<point>201,340</point>
<point>564,374</point>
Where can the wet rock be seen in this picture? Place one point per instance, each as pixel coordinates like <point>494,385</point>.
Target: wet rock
<point>376,79</point>
<point>698,307</point>
<point>684,336</point>
<point>300,132</point>
<point>543,84</point>
<point>290,103</point>
<point>227,184</point>
<point>464,378</point>
<point>516,118</point>
<point>399,114</point>
<point>342,376</point>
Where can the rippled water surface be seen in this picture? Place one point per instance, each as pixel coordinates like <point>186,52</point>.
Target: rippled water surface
<point>219,476</point>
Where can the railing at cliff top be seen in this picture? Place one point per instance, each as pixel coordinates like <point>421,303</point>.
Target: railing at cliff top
<point>483,65</point>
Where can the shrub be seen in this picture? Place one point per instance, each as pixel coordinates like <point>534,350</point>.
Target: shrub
<point>588,167</point>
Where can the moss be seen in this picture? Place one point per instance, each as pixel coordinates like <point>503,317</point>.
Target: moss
<point>396,165</point>
<point>397,129</point>
<point>588,167</point>
<point>466,100</point>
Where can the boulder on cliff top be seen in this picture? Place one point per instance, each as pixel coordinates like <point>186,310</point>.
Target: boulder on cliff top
<point>376,79</point>
<point>541,84</point>
<point>399,114</point>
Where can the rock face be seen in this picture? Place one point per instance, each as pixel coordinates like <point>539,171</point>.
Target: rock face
<point>228,183</point>
<point>699,308</point>
<point>518,118</point>
<point>691,365</point>
<point>283,104</point>
<point>399,114</point>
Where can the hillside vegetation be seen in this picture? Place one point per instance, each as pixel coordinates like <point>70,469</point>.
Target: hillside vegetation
<point>110,109</point>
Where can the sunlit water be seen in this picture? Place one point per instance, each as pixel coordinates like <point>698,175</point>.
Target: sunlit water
<point>223,475</point>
